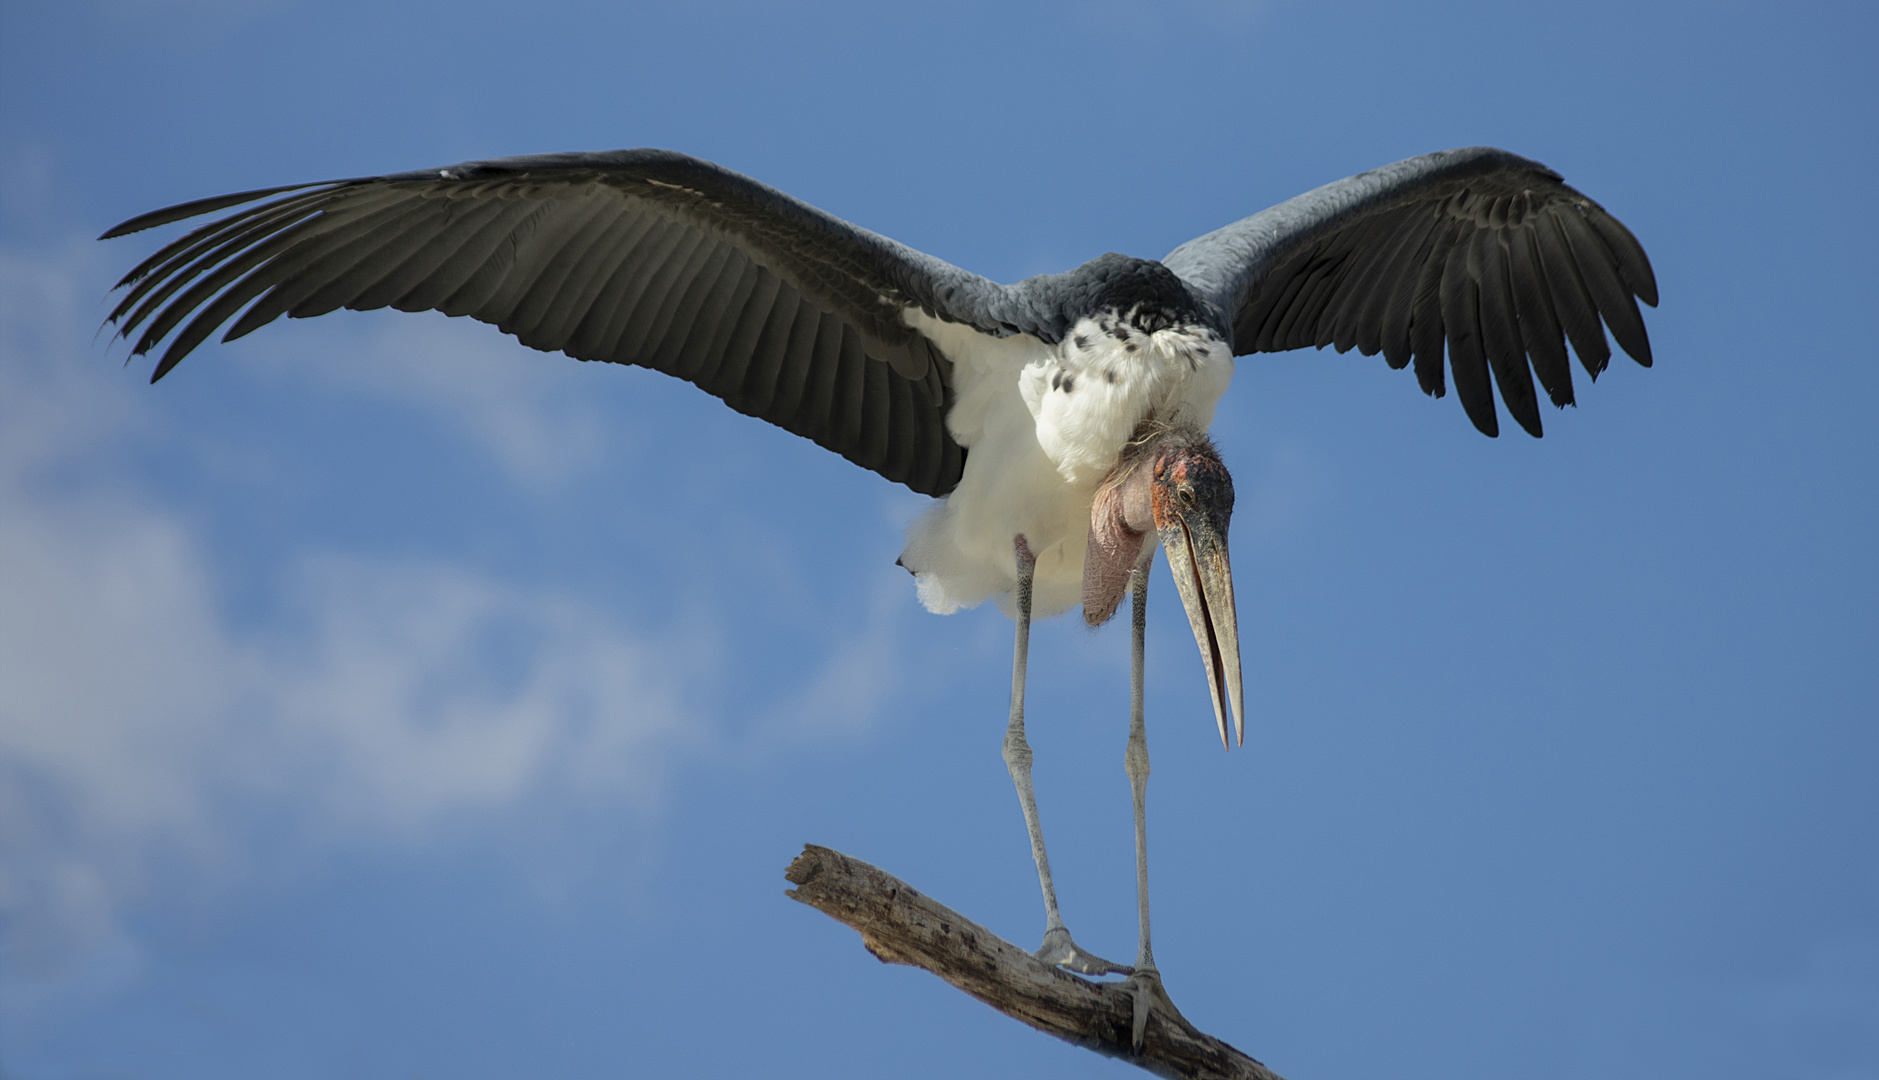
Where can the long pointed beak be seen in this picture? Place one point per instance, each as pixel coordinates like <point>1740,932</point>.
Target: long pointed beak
<point>1197,555</point>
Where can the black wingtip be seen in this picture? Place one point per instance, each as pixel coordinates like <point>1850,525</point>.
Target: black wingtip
<point>167,364</point>
<point>1482,414</point>
<point>1640,349</point>
<point>194,209</point>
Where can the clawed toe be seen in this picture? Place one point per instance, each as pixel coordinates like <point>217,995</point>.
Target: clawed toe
<point>1058,949</point>
<point>1145,987</point>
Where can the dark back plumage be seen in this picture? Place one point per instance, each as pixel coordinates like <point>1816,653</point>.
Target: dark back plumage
<point>1122,284</point>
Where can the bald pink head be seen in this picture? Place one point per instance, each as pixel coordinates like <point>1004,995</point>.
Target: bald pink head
<point>1171,480</point>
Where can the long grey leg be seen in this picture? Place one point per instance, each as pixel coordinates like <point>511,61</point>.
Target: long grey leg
<point>1058,948</point>
<point>1135,763</point>
<point>1145,981</point>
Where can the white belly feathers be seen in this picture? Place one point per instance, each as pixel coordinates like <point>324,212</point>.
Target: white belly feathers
<point>1042,426</point>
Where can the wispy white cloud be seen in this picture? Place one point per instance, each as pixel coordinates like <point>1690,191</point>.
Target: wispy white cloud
<point>147,735</point>
<point>140,726</point>
<point>425,691</point>
<point>844,696</point>
<point>145,731</point>
<point>530,418</point>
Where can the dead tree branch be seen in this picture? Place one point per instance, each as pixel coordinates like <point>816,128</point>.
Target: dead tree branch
<point>901,926</point>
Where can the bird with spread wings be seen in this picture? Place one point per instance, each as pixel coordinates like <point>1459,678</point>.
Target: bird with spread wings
<point>1060,422</point>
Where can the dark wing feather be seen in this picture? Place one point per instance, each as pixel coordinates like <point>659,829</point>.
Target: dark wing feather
<point>634,256</point>
<point>1479,253</point>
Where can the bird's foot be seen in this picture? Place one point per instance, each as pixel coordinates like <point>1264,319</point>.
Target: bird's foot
<point>1059,950</point>
<point>1145,987</point>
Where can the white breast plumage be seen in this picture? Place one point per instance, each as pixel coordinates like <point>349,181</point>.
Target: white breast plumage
<point>1042,426</point>
<point>1107,376</point>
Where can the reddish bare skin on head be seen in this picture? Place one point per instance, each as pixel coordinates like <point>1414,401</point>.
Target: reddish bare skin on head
<point>1171,480</point>
<point>1141,494</point>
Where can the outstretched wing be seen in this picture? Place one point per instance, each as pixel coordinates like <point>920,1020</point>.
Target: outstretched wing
<point>1487,252</point>
<point>635,257</point>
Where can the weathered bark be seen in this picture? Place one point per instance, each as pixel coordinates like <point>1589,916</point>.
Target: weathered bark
<point>900,926</point>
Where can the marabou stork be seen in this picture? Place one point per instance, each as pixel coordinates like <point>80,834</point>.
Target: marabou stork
<point>1061,421</point>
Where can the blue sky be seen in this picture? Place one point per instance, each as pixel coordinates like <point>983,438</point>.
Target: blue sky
<point>380,698</point>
